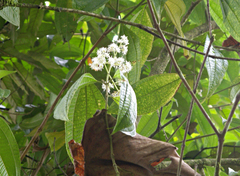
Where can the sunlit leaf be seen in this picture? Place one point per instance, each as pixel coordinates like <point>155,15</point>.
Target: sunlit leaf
<point>175,10</point>
<point>216,68</point>
<point>155,91</point>
<point>9,153</point>
<point>127,112</point>
<point>5,73</point>
<point>231,17</point>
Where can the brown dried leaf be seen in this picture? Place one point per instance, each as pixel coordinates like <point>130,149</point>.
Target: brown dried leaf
<point>77,153</point>
<point>134,155</point>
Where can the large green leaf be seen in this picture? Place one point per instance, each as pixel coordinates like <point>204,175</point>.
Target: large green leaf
<point>4,93</point>
<point>175,10</point>
<point>62,110</point>
<point>5,73</point>
<point>66,23</point>
<point>145,38</point>
<point>11,14</point>
<point>134,54</point>
<point>216,68</point>
<point>29,80</point>
<point>9,153</point>
<point>155,91</point>
<point>84,103</point>
<point>127,112</point>
<point>231,17</point>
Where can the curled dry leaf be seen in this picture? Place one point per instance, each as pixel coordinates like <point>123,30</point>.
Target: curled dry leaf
<point>230,41</point>
<point>134,155</point>
<point>77,153</point>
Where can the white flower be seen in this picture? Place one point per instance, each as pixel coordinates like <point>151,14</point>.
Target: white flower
<point>123,49</point>
<point>111,60</point>
<point>115,38</point>
<point>101,59</point>
<point>109,87</point>
<point>102,52</point>
<point>115,62</point>
<point>113,48</point>
<point>123,40</point>
<point>116,94</point>
<point>125,68</point>
<point>96,66</point>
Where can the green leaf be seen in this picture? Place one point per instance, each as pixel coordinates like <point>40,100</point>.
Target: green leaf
<point>155,91</point>
<point>145,39</point>
<point>236,89</point>
<point>50,82</point>
<point>127,112</point>
<point>59,140</point>
<point>175,9</point>
<point>36,16</point>
<point>65,50</point>
<point>86,100</point>
<point>29,80</point>
<point>62,110</point>
<point>134,54</point>
<point>4,93</point>
<point>148,124</point>
<point>216,13</point>
<point>9,153</point>
<point>5,73</point>
<point>158,7</point>
<point>11,14</point>
<point>216,68</point>
<point>231,17</point>
<point>32,122</point>
<point>66,23</point>
<point>85,5</point>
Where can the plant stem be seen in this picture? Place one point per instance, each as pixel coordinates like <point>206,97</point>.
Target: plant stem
<point>108,130</point>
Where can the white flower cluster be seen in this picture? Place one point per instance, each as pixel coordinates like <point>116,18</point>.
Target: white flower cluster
<point>111,56</point>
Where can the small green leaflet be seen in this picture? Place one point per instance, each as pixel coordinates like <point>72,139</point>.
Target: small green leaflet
<point>127,112</point>
<point>235,89</point>
<point>216,68</point>
<point>62,109</point>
